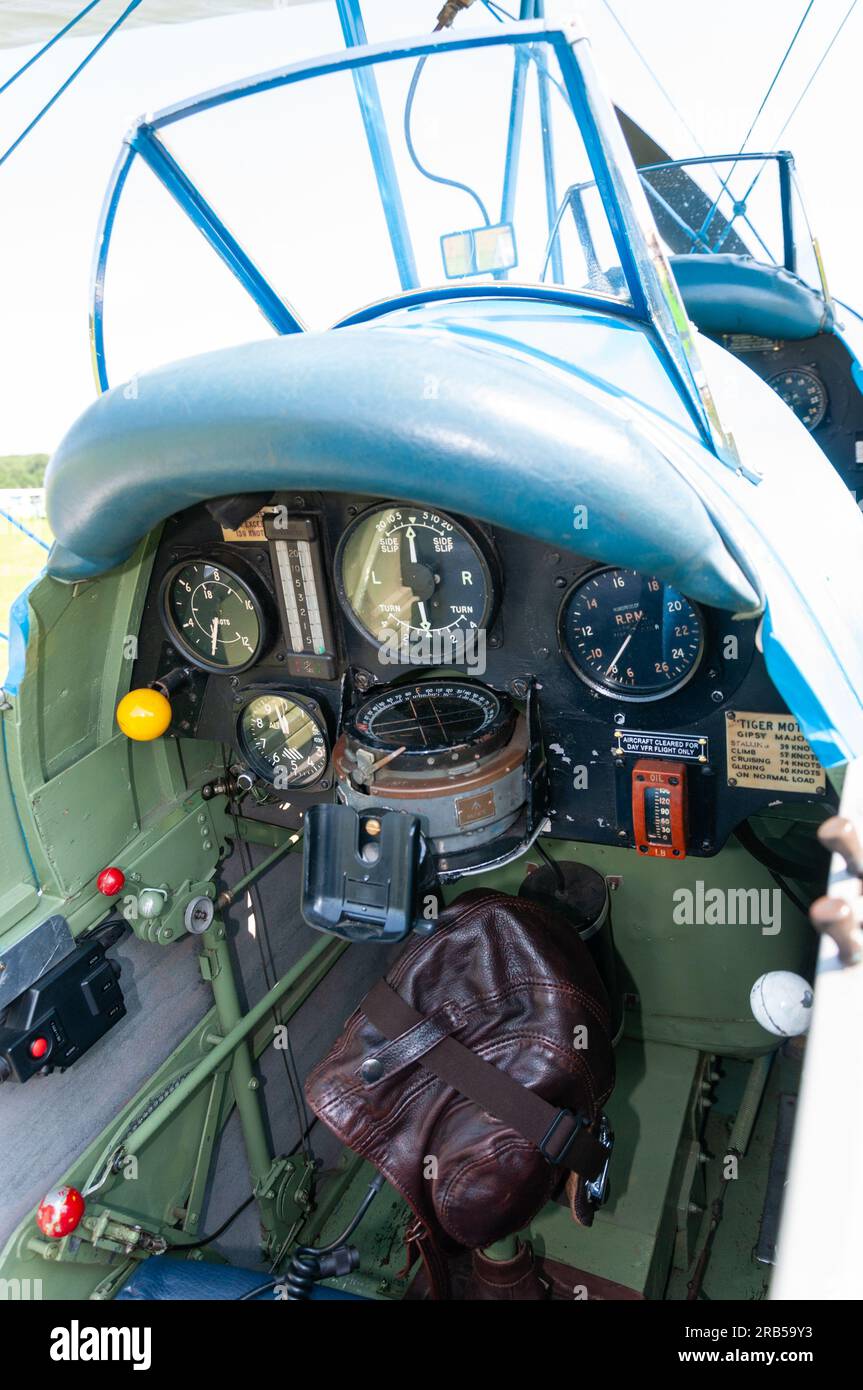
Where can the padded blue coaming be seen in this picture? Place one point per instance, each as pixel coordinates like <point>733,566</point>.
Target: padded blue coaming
<point>735,294</point>
<point>480,424</point>
<point>166,1278</point>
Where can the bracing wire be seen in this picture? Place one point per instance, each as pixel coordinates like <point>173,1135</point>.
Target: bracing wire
<point>798,103</point>
<point>815,72</point>
<point>652,75</point>
<point>61,33</point>
<point>121,19</point>
<point>777,74</point>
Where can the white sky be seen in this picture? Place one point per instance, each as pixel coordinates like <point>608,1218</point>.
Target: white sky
<point>715,60</point>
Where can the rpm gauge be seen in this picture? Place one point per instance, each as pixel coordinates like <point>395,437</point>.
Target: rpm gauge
<point>283,739</point>
<point>403,572</point>
<point>630,635</point>
<point>213,616</point>
<point>804,392</point>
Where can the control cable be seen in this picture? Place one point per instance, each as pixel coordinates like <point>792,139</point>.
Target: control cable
<point>309,1263</point>
<point>262,936</point>
<point>553,865</point>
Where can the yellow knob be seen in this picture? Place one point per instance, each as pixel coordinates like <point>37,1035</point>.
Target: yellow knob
<point>144,714</point>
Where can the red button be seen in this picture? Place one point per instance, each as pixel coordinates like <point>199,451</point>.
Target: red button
<point>110,882</point>
<point>60,1212</point>
<point>38,1047</point>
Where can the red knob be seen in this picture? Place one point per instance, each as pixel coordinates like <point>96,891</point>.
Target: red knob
<point>110,882</point>
<point>38,1047</point>
<point>60,1212</point>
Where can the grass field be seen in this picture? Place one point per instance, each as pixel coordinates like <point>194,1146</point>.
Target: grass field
<point>20,561</point>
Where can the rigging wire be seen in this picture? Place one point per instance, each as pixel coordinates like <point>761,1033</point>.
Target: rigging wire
<point>121,19</point>
<point>645,64</point>
<point>815,72</point>
<point>795,108</point>
<point>776,76</point>
<point>50,44</point>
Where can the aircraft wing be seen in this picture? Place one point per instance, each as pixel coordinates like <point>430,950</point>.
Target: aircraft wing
<point>35,21</point>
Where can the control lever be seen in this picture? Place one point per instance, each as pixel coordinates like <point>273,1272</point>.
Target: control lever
<point>839,914</point>
<point>367,875</point>
<point>839,835</point>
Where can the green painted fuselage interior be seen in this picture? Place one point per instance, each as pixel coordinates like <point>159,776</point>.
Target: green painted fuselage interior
<point>164,1147</point>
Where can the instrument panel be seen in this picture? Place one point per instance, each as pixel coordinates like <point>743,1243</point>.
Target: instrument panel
<point>815,378</point>
<point>360,647</point>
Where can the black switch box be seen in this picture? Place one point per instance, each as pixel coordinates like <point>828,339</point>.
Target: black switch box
<point>62,1015</point>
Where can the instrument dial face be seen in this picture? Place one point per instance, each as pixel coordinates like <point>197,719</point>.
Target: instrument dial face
<point>404,572</point>
<point>283,739</point>
<point>804,392</point>
<point>433,717</point>
<point>630,635</point>
<point>213,616</point>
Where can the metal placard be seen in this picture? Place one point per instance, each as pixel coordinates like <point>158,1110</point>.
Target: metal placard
<point>766,751</point>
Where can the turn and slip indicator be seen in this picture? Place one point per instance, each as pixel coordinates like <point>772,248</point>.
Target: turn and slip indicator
<point>659,808</point>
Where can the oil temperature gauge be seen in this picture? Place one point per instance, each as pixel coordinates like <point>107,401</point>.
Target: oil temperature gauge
<point>283,739</point>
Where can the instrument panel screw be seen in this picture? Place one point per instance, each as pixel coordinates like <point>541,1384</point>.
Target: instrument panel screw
<point>560,581</point>
<point>619,718</point>
<point>717,697</point>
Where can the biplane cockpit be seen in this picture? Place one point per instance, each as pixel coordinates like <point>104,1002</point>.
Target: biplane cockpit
<point>427,740</point>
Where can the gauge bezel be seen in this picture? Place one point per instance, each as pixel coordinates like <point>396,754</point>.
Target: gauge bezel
<point>819,382</point>
<point>252,759</point>
<point>250,583</point>
<point>479,543</point>
<point>613,692</point>
<point>495,735</point>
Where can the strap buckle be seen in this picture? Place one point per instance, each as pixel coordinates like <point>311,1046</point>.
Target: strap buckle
<point>578,1122</point>
<point>596,1189</point>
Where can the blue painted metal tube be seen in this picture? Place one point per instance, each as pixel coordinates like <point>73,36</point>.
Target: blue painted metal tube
<point>573,81</point>
<point>513,138</point>
<point>440,294</point>
<point>100,265</point>
<point>548,173</point>
<point>516,124</point>
<point>7,516</point>
<point>180,186</point>
<point>789,245</point>
<point>371,111</point>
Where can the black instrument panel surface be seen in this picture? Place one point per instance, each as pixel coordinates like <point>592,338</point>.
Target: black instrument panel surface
<point>592,738</point>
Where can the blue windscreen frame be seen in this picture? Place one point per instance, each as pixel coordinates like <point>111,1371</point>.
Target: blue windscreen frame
<point>654,297</point>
